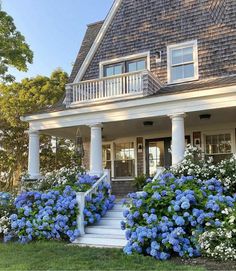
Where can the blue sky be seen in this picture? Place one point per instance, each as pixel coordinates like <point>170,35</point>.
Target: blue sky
<point>54,30</point>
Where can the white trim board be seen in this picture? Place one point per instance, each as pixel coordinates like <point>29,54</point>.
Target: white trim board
<point>196,96</point>
<point>98,40</point>
<point>137,112</point>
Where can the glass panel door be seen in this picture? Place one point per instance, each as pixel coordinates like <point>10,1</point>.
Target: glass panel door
<point>124,160</point>
<point>156,152</point>
<point>106,156</point>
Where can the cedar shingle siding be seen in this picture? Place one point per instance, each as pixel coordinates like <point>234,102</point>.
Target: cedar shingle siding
<point>151,25</point>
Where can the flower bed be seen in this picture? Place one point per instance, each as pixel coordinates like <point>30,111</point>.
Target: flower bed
<point>194,164</point>
<point>220,243</point>
<point>169,215</point>
<point>52,213</point>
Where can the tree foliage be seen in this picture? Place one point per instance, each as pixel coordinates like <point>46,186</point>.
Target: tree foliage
<point>17,99</point>
<point>14,51</point>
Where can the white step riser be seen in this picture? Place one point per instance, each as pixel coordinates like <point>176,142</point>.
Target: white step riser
<point>100,230</point>
<point>119,208</point>
<point>118,215</point>
<point>100,241</point>
<point>109,222</point>
<point>105,236</point>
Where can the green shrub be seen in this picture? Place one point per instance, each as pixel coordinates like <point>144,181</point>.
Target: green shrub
<point>140,181</point>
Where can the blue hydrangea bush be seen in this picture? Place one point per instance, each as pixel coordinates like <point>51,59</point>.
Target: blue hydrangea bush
<point>169,215</point>
<point>51,214</point>
<point>97,205</point>
<point>45,215</point>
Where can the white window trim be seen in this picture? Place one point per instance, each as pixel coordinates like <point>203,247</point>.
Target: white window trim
<point>217,132</point>
<point>192,43</point>
<point>123,59</point>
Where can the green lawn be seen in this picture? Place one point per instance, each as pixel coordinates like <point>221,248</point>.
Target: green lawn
<point>59,256</point>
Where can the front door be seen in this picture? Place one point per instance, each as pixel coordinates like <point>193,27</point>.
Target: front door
<point>157,154</point>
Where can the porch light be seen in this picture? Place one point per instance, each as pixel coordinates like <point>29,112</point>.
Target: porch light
<point>79,149</point>
<point>205,116</point>
<point>158,56</point>
<point>148,123</point>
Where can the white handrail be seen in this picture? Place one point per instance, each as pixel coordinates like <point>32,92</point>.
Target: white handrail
<point>80,197</point>
<point>160,170</point>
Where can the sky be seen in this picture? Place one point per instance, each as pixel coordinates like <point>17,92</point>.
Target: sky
<point>54,30</point>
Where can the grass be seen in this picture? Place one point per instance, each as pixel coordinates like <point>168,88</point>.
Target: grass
<point>59,256</point>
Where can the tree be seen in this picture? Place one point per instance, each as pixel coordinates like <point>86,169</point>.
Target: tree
<point>17,99</point>
<point>14,51</point>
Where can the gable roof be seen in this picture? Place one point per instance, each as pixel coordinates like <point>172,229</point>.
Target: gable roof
<point>97,40</point>
<point>90,35</point>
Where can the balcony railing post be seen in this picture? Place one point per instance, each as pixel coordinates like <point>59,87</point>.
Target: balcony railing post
<point>145,82</point>
<point>69,95</point>
<point>80,197</point>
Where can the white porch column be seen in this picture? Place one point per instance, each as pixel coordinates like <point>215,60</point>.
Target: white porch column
<point>96,149</point>
<point>33,157</point>
<point>178,138</point>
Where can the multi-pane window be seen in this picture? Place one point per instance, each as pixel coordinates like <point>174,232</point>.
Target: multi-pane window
<point>111,70</point>
<point>182,62</point>
<point>124,151</point>
<point>219,146</point>
<point>136,65</point>
<point>124,160</point>
<point>124,67</point>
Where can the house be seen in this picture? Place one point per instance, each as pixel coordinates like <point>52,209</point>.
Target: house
<point>153,74</point>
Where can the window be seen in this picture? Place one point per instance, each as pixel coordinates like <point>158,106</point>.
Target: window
<point>182,62</point>
<point>136,65</point>
<point>219,146</point>
<point>124,151</point>
<point>124,164</point>
<point>125,66</point>
<point>111,70</point>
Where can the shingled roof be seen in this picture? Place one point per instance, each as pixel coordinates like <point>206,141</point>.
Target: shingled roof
<point>90,35</point>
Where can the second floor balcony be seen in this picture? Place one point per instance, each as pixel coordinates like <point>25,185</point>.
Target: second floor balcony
<point>123,86</point>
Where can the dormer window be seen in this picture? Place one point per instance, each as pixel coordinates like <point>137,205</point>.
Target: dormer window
<point>128,64</point>
<point>182,62</point>
<point>125,67</point>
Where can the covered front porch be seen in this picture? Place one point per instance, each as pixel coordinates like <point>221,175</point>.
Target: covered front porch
<point>133,147</point>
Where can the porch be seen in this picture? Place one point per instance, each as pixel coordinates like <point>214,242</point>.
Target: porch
<point>138,146</point>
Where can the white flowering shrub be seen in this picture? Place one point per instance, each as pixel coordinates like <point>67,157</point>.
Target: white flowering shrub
<point>62,177</point>
<point>220,243</point>
<point>195,164</point>
<point>5,224</point>
<point>6,209</point>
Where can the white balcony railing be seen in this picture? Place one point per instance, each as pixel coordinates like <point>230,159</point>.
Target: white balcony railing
<point>115,87</point>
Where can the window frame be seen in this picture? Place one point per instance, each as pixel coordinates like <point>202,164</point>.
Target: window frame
<point>219,132</point>
<point>182,45</point>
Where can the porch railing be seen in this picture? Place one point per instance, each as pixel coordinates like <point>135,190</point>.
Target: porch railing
<point>80,196</point>
<point>160,170</point>
<point>114,87</point>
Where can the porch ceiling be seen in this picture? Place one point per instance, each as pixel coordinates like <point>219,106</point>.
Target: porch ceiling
<point>129,128</point>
